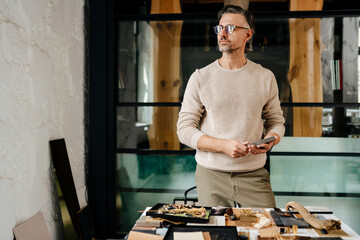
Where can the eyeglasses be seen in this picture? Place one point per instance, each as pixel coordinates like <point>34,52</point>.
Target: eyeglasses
<point>229,29</point>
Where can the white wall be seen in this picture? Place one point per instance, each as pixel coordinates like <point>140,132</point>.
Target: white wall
<point>41,98</point>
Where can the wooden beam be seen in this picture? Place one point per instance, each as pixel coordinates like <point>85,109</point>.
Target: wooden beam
<point>165,6</point>
<point>305,69</point>
<point>306,5</point>
<point>167,79</point>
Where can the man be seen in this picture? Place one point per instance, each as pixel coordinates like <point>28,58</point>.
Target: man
<point>228,104</point>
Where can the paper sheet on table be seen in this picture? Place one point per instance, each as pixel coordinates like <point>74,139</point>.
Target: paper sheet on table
<point>188,236</point>
<point>134,235</point>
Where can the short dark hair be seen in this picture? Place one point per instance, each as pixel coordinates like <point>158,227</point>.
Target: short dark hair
<point>248,16</point>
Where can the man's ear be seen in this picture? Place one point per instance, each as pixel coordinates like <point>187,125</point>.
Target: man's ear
<point>249,34</point>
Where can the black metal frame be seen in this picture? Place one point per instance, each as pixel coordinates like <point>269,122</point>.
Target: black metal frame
<point>284,104</point>
<point>257,15</point>
<point>101,103</point>
<point>100,136</point>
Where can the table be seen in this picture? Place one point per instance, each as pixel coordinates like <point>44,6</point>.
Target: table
<point>252,232</point>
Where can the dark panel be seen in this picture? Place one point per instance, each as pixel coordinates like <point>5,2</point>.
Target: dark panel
<point>63,171</point>
<point>97,141</point>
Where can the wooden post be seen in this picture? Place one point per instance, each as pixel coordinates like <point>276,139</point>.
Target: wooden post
<point>305,69</point>
<point>167,79</point>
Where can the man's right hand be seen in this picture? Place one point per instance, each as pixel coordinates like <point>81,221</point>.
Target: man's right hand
<point>235,148</point>
<point>232,148</point>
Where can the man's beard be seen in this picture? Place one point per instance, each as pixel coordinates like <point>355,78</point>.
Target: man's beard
<point>227,48</point>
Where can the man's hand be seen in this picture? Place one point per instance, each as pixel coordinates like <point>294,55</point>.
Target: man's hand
<point>263,148</point>
<point>235,148</point>
<point>232,148</point>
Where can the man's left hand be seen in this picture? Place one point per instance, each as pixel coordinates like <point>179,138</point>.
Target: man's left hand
<point>263,148</point>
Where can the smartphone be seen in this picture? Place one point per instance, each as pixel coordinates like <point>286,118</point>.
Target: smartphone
<point>265,140</point>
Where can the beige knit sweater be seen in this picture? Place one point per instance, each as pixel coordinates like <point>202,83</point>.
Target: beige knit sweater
<point>238,104</point>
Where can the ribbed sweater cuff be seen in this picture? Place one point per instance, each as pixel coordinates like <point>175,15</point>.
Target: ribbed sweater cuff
<point>195,139</point>
<point>278,130</point>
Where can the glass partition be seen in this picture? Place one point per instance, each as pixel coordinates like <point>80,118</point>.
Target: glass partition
<point>197,45</point>
<point>145,180</point>
<point>318,172</point>
<point>146,76</point>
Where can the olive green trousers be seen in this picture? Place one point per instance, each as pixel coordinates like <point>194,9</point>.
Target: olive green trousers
<point>247,189</point>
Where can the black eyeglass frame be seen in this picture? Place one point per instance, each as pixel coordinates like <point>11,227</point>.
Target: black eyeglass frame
<point>226,28</point>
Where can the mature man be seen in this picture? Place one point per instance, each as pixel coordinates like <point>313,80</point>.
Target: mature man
<point>228,104</point>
